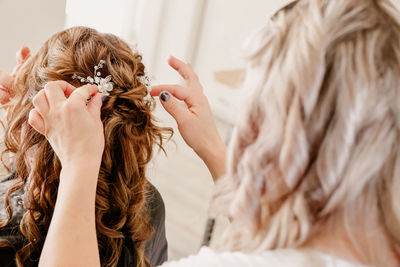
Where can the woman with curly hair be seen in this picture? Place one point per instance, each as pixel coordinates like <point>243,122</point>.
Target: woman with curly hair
<point>129,210</point>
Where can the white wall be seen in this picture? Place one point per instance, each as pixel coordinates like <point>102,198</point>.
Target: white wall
<point>167,27</point>
<point>208,34</point>
<point>227,24</point>
<point>27,22</point>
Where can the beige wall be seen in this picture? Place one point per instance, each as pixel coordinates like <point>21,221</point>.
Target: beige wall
<point>27,22</point>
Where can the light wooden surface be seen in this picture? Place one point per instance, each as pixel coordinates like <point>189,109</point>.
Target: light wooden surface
<point>186,186</point>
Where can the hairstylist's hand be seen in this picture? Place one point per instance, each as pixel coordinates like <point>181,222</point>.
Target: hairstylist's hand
<point>75,131</point>
<point>6,80</point>
<point>195,122</point>
<point>72,125</point>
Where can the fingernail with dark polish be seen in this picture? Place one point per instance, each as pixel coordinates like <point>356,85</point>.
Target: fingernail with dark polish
<point>164,96</point>
<point>104,98</point>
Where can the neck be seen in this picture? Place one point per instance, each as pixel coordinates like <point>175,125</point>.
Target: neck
<point>372,248</point>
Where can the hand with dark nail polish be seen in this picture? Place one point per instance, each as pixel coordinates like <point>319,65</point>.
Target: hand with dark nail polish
<point>195,120</point>
<point>164,96</point>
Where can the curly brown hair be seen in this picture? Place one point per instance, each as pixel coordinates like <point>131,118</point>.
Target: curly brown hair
<point>130,135</point>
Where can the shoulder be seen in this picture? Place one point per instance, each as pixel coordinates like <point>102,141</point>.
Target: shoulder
<point>284,258</point>
<point>16,199</point>
<point>10,233</point>
<point>157,247</point>
<point>208,257</point>
<point>155,205</point>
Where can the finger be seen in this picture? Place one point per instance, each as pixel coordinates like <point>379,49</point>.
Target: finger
<point>40,103</point>
<point>94,105</point>
<point>36,121</point>
<point>22,55</point>
<point>178,91</point>
<point>6,80</point>
<point>183,69</point>
<point>5,95</point>
<point>82,94</point>
<point>56,92</point>
<point>174,108</point>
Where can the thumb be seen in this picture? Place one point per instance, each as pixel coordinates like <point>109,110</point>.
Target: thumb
<point>36,121</point>
<point>173,107</point>
<point>95,103</point>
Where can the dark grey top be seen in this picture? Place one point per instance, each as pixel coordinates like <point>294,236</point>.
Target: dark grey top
<point>156,248</point>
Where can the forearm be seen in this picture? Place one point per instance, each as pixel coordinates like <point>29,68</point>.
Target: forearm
<point>71,239</point>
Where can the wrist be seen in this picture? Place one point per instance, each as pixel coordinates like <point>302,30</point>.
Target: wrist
<point>78,176</point>
<point>81,163</point>
<point>80,154</point>
<point>215,159</point>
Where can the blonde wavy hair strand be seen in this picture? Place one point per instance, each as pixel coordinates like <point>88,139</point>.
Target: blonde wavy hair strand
<point>319,141</point>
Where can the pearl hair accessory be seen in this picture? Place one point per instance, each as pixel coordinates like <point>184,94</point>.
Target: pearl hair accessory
<point>144,79</point>
<point>105,85</point>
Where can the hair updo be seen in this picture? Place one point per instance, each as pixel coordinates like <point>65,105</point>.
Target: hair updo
<point>130,134</point>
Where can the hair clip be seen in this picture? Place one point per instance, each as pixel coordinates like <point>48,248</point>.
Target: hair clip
<point>144,79</point>
<point>105,85</point>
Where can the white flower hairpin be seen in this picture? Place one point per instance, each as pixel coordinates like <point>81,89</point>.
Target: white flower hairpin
<point>144,79</point>
<point>105,84</point>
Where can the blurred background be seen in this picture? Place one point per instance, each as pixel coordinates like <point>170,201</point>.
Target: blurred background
<point>208,34</point>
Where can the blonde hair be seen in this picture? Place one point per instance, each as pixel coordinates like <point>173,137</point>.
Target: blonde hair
<point>320,138</point>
